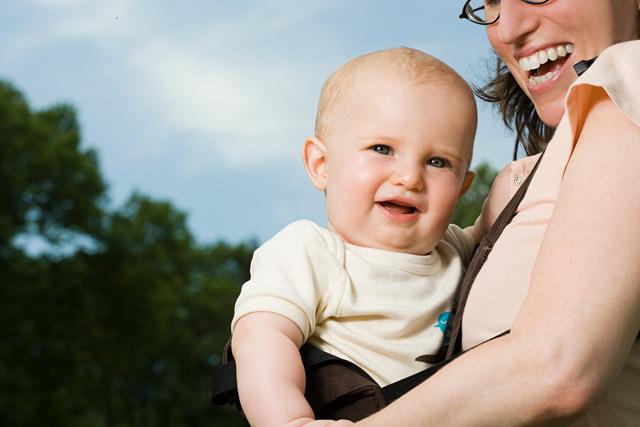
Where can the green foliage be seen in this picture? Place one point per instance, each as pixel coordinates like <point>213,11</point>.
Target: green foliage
<point>124,332</point>
<point>470,205</point>
<point>50,186</point>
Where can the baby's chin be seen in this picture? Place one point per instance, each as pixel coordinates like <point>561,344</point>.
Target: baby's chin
<point>418,251</point>
<point>389,245</point>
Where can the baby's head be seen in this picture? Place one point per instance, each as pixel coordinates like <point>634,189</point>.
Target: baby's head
<point>392,147</point>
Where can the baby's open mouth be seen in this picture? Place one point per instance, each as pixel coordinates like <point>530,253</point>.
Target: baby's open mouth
<point>398,207</point>
<point>546,63</point>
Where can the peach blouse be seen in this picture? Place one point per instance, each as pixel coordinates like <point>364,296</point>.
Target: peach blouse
<point>502,284</point>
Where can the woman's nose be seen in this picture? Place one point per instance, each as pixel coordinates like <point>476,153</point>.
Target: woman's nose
<point>517,20</point>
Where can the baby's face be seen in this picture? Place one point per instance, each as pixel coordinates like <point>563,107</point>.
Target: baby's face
<point>397,162</point>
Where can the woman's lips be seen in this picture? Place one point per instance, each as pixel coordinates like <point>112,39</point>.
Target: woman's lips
<point>544,65</point>
<point>537,85</point>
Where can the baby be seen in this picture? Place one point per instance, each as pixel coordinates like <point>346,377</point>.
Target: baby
<point>392,147</point>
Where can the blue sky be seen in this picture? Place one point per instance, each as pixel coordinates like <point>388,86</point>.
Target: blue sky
<point>207,102</point>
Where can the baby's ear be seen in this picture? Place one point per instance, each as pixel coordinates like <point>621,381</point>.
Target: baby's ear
<point>314,155</point>
<point>468,179</point>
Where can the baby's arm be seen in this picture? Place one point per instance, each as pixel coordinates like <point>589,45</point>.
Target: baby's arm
<point>270,373</point>
<point>275,313</point>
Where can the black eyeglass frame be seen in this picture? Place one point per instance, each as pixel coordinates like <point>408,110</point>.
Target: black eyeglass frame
<point>467,12</point>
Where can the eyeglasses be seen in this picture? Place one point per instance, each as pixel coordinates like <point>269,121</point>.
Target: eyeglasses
<point>486,12</point>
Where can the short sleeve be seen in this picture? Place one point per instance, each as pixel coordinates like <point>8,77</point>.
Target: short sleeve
<point>293,275</point>
<point>462,241</point>
<point>615,72</point>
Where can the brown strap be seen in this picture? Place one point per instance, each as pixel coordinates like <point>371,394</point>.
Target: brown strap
<point>479,257</point>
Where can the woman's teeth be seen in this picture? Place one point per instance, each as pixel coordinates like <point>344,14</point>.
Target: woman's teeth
<point>534,61</point>
<point>536,80</point>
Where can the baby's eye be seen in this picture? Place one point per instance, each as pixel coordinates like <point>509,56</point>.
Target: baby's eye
<point>437,162</point>
<point>382,149</point>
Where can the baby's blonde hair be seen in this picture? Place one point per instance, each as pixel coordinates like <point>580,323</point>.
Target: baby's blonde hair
<point>413,64</point>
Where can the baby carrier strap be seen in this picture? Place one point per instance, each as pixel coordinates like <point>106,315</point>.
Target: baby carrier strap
<point>225,387</point>
<point>454,336</point>
<point>335,388</point>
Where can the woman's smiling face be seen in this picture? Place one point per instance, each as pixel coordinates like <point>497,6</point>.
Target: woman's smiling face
<point>541,43</point>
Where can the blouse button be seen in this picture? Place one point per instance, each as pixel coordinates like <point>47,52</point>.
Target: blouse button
<point>517,180</point>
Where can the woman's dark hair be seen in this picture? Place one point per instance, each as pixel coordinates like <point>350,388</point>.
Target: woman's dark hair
<point>518,112</point>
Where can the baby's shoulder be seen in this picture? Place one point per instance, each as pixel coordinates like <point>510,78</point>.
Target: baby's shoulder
<point>305,235</point>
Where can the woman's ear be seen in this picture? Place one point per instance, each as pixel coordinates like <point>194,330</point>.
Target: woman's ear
<point>314,155</point>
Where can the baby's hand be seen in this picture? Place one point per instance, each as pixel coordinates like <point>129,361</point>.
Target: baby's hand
<point>329,423</point>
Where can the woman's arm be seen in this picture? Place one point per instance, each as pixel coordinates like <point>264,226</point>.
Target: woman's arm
<point>581,315</point>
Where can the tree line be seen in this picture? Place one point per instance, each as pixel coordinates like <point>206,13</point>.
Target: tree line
<point>120,316</point>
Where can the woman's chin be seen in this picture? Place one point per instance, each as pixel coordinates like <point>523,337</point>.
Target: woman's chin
<point>551,113</point>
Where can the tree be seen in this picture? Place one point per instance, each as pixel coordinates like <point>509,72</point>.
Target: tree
<point>52,189</point>
<point>164,312</point>
<point>50,186</point>
<point>470,205</point>
<point>120,322</point>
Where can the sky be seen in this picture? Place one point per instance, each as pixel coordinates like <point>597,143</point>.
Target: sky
<point>206,103</point>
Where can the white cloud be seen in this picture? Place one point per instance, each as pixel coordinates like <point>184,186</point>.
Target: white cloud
<point>241,110</point>
<point>55,3</point>
<point>57,21</point>
<point>247,100</point>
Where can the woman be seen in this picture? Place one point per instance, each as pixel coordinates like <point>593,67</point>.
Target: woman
<point>565,274</point>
